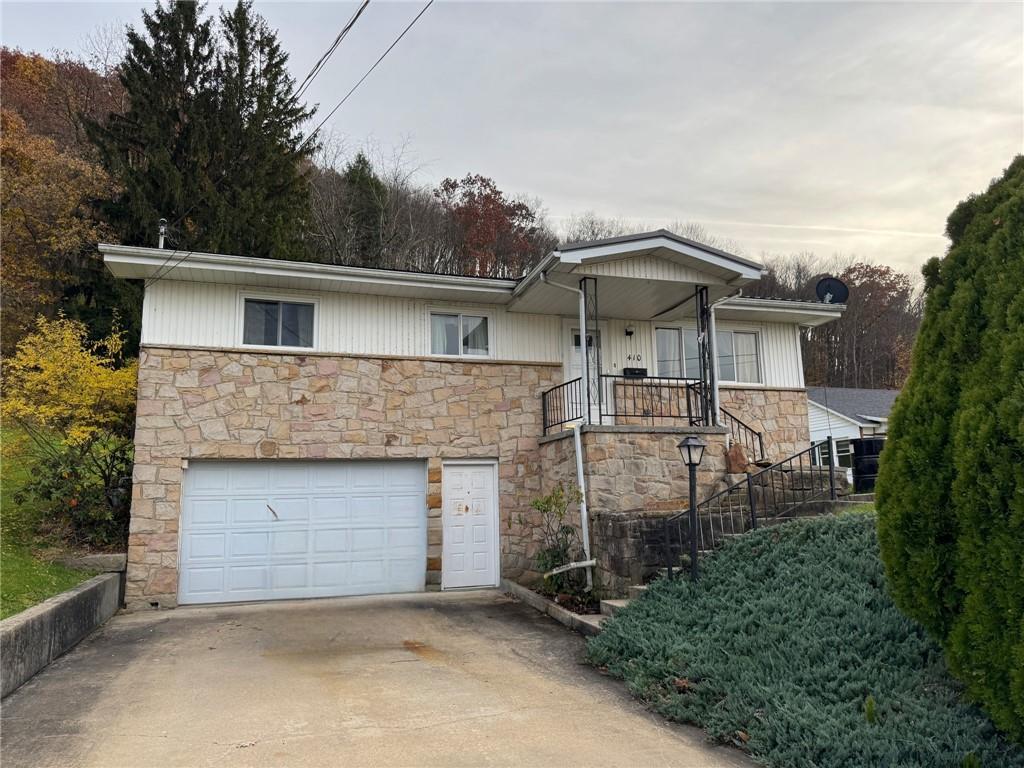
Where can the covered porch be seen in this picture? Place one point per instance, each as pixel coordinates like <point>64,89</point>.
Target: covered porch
<point>645,306</point>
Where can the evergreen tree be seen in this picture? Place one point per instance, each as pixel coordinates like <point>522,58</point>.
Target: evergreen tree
<point>365,202</point>
<point>159,149</point>
<point>210,140</point>
<point>950,502</point>
<point>264,205</point>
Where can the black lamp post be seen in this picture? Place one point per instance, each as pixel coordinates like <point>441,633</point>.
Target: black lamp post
<point>691,448</point>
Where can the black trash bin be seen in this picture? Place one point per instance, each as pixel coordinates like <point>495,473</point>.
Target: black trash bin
<point>866,451</point>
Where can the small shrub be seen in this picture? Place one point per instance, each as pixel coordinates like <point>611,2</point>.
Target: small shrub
<point>75,399</point>
<point>560,541</point>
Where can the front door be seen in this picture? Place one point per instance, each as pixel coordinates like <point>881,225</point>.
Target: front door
<point>469,549</point>
<point>574,370</point>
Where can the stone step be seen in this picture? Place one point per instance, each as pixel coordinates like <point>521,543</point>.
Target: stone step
<point>635,590</point>
<point>611,607</point>
<point>590,623</point>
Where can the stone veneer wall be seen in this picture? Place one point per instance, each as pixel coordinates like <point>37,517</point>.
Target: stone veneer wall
<point>202,404</point>
<point>634,477</point>
<point>780,413</point>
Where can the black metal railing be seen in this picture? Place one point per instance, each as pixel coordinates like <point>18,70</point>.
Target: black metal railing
<point>751,440</point>
<point>767,497</point>
<point>650,400</point>
<point>562,404</point>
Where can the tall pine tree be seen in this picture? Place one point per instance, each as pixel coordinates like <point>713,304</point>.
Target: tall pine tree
<point>211,139</point>
<point>264,207</point>
<point>365,197</point>
<point>160,149</point>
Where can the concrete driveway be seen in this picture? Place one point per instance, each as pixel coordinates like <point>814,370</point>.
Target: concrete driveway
<point>437,679</point>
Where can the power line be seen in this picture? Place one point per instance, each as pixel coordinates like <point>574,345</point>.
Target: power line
<point>322,62</point>
<point>164,269</point>
<point>368,72</point>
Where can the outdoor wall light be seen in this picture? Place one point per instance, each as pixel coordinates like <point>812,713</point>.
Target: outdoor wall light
<point>630,330</point>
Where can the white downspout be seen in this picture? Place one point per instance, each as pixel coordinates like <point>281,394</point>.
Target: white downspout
<point>581,481</point>
<point>584,513</point>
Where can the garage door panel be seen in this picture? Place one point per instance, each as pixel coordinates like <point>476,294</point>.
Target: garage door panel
<point>369,540</point>
<point>290,576</point>
<point>289,509</point>
<point>205,581</point>
<point>365,476</point>
<point>250,511</point>
<point>329,537</point>
<point>289,476</point>
<point>243,478</point>
<point>247,578</point>
<point>206,546</point>
<point>367,509</point>
<point>330,476</point>
<point>249,544</point>
<point>209,512</point>
<point>289,542</point>
<point>330,508</point>
<point>332,540</point>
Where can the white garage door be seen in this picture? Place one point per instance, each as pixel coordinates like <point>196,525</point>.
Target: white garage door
<point>286,529</point>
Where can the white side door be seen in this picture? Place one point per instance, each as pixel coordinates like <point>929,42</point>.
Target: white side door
<point>469,549</point>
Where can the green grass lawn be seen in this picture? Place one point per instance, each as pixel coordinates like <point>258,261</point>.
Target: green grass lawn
<point>789,647</point>
<point>25,577</point>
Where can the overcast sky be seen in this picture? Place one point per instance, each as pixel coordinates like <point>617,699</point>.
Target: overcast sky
<point>849,128</point>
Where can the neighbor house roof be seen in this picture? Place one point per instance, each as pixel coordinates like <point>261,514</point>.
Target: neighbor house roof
<point>859,405</point>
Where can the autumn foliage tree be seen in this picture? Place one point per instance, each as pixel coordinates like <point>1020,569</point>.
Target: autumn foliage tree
<point>494,236</point>
<point>49,225</point>
<point>75,398</point>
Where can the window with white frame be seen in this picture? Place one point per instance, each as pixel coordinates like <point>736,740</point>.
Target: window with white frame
<point>459,334</point>
<point>270,323</point>
<point>738,356</point>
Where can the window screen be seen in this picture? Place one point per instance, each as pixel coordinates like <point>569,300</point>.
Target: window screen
<point>277,323</point>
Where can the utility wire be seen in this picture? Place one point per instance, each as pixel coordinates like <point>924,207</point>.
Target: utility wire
<point>167,267</point>
<point>368,72</point>
<point>322,62</point>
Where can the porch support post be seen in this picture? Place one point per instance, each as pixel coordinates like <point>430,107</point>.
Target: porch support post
<point>584,355</point>
<point>716,408</point>
<point>706,355</point>
<point>590,350</point>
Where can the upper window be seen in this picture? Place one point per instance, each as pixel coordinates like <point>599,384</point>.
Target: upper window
<point>738,359</point>
<point>459,335</point>
<point>277,323</point>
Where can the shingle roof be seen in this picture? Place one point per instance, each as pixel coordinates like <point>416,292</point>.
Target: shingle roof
<point>856,404</point>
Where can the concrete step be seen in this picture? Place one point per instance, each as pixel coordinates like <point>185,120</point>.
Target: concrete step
<point>590,623</point>
<point>611,607</point>
<point>635,590</point>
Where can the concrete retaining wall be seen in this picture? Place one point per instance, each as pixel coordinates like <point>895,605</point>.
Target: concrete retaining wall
<point>33,638</point>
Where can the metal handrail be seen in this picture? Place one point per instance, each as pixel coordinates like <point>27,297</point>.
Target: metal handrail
<point>562,404</point>
<point>744,434</point>
<point>650,399</point>
<point>735,510</point>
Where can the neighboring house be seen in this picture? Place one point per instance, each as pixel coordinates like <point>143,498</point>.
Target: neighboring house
<point>308,430</point>
<point>847,414</point>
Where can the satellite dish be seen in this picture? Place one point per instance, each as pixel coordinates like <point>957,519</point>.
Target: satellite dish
<point>832,290</point>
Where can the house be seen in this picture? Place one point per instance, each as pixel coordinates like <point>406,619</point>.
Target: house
<point>308,430</point>
<point>848,414</point>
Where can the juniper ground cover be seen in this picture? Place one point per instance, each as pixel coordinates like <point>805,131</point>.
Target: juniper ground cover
<point>790,647</point>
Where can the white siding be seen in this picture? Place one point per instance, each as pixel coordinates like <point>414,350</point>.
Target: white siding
<point>209,315</point>
<point>822,423</point>
<point>647,267</point>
